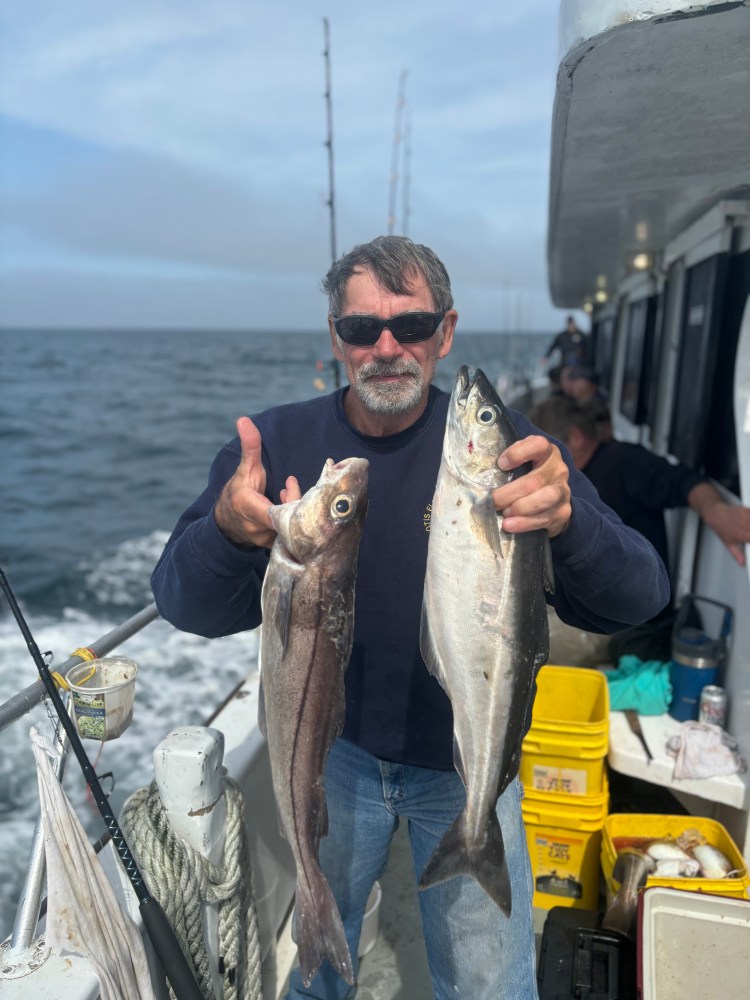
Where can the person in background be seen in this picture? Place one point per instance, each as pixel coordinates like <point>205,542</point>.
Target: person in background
<point>572,344</point>
<point>637,484</point>
<point>554,375</point>
<point>391,318</point>
<point>582,385</point>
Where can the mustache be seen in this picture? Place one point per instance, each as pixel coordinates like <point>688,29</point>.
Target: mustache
<point>403,366</point>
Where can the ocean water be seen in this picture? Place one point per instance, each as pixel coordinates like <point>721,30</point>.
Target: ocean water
<point>105,438</point>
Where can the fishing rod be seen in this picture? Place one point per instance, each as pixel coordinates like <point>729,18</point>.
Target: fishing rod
<point>158,928</point>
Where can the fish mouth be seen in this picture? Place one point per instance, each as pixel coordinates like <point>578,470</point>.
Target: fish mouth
<point>468,382</point>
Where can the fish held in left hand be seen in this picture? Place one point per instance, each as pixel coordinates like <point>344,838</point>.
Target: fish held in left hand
<point>484,628</point>
<point>306,641</point>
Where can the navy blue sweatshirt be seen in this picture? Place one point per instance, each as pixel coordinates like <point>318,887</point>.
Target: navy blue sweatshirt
<point>607,576</point>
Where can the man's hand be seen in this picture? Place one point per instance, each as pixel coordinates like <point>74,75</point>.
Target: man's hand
<point>541,498</point>
<point>730,522</point>
<point>241,511</point>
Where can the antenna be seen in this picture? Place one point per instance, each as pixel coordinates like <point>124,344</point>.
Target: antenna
<point>329,141</point>
<point>406,190</point>
<point>395,151</point>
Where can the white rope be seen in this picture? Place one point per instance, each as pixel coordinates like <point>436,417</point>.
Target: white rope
<point>183,880</point>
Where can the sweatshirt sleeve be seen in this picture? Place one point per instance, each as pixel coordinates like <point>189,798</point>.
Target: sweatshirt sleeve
<point>654,482</point>
<point>607,576</point>
<point>203,583</point>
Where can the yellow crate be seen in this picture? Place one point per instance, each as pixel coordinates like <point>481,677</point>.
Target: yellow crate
<point>635,827</point>
<point>571,701</point>
<point>564,843</point>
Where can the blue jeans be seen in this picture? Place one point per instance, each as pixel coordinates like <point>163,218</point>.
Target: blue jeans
<point>474,952</point>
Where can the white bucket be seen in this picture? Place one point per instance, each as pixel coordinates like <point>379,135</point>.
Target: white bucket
<point>103,692</point>
<point>370,921</point>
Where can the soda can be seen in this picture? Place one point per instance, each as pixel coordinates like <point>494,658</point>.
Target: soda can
<point>713,706</point>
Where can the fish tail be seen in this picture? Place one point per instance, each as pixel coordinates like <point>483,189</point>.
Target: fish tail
<point>459,854</point>
<point>320,933</point>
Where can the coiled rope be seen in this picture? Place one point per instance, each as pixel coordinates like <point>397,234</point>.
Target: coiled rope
<point>183,880</point>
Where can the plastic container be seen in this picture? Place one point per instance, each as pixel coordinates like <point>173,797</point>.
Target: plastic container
<point>564,842</point>
<point>697,657</point>
<point>561,764</point>
<point>571,701</point>
<point>103,692</point>
<point>565,748</point>
<point>635,827</point>
<point>693,945</point>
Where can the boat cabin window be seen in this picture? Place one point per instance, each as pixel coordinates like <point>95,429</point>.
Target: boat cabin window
<point>696,366</point>
<point>603,336</point>
<point>721,455</point>
<point>639,359</point>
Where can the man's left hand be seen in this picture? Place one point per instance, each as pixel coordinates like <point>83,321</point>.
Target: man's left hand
<point>541,498</point>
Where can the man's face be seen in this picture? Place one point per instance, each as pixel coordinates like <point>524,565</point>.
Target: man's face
<point>391,380</point>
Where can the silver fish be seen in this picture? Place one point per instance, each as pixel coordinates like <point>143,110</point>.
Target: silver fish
<point>484,628</point>
<point>666,850</point>
<point>631,869</point>
<point>677,868</point>
<point>306,641</point>
<point>713,864</point>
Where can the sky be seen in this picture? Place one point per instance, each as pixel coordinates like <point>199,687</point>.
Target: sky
<point>162,162</point>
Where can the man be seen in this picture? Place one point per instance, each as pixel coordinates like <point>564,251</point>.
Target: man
<point>582,385</point>
<point>572,344</point>
<point>391,318</point>
<point>639,485</point>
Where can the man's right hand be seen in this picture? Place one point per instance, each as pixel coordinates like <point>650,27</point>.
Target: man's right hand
<point>241,511</point>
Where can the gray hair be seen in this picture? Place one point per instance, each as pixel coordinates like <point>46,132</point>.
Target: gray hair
<point>397,263</point>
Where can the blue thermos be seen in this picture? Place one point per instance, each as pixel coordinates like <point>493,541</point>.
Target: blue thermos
<point>697,657</point>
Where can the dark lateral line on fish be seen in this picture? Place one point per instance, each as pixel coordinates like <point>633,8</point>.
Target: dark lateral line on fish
<point>205,809</point>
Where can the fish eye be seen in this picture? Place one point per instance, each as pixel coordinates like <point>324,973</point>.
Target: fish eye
<point>487,415</point>
<point>342,505</point>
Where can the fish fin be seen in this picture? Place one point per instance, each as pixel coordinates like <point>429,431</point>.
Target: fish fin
<point>320,932</point>
<point>429,651</point>
<point>485,862</point>
<point>485,523</point>
<point>549,569</point>
<point>281,596</point>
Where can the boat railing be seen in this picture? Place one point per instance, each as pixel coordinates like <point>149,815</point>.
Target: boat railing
<point>29,904</point>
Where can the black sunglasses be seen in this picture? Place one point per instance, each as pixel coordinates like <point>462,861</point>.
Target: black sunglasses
<point>407,328</point>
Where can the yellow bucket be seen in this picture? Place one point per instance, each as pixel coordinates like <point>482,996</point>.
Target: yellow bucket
<point>563,835</point>
<point>571,700</point>
<point>565,747</point>
<point>631,829</point>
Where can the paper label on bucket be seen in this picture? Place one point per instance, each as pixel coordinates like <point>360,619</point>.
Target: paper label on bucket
<point>569,780</point>
<point>558,866</point>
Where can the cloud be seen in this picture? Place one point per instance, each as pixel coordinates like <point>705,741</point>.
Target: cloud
<point>180,142</point>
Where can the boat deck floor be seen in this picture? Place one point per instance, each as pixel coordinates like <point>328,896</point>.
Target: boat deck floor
<point>396,966</point>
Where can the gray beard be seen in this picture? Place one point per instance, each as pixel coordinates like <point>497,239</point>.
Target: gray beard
<point>390,399</point>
